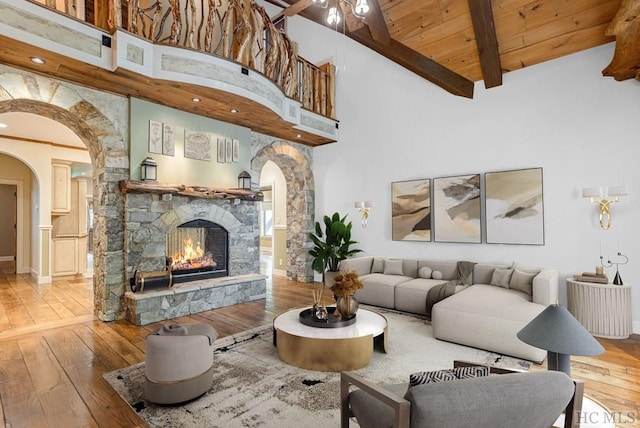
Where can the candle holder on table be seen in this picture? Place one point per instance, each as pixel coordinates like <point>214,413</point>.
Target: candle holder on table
<point>617,280</point>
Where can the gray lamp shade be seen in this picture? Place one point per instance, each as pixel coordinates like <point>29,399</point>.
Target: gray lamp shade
<point>556,330</point>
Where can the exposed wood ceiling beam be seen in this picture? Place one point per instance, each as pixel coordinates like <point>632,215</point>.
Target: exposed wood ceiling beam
<point>487,42</point>
<point>297,7</point>
<point>403,56</point>
<point>377,24</point>
<point>418,63</point>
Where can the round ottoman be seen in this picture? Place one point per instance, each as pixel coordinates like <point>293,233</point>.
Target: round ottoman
<point>179,362</point>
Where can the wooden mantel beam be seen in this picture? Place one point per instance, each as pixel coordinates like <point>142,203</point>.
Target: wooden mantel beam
<point>487,42</point>
<point>402,55</point>
<point>131,186</point>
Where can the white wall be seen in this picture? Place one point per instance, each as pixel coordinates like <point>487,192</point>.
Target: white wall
<point>563,116</point>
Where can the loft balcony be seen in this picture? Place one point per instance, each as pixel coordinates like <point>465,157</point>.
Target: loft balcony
<point>229,55</point>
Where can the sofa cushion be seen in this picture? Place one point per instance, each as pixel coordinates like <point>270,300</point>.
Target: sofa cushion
<point>378,265</point>
<point>522,281</point>
<point>518,400</point>
<point>483,272</point>
<point>411,296</point>
<point>393,267</point>
<point>523,268</point>
<point>421,378</point>
<point>360,265</point>
<point>449,269</point>
<point>487,317</point>
<point>501,277</point>
<point>436,274</point>
<point>425,272</point>
<point>379,289</point>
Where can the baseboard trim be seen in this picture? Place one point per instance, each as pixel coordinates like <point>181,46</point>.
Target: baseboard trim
<point>6,258</point>
<point>279,272</point>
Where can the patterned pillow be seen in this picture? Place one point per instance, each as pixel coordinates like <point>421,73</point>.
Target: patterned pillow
<point>421,378</point>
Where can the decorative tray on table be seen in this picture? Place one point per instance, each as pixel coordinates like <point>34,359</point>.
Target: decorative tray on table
<point>332,321</point>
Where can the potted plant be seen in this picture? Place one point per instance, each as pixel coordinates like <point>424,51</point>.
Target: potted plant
<point>332,245</point>
<point>344,287</point>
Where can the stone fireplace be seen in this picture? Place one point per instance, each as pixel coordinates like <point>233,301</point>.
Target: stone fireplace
<point>209,244</point>
<point>197,249</point>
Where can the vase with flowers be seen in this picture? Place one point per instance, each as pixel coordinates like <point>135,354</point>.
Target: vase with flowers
<point>344,287</point>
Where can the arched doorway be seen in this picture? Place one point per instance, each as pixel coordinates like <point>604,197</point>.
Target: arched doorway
<point>74,107</point>
<point>300,206</point>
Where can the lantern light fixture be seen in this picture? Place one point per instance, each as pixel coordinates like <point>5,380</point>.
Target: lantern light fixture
<point>244,180</point>
<point>149,170</point>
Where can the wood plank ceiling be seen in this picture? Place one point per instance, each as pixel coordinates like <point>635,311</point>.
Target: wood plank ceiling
<point>508,35</point>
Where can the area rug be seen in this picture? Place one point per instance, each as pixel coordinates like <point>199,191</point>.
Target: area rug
<point>253,388</point>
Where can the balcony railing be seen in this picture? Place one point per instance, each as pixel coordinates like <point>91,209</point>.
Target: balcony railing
<point>239,30</point>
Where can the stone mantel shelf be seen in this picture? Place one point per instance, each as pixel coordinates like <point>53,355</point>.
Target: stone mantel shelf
<point>132,186</point>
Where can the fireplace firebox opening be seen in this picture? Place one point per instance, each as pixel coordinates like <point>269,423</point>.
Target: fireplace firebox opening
<point>198,249</point>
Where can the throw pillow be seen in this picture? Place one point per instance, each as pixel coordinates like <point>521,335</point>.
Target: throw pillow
<point>393,267</point>
<point>501,277</point>
<point>425,272</point>
<point>522,281</point>
<point>526,269</point>
<point>421,378</point>
<point>436,274</point>
<point>378,265</point>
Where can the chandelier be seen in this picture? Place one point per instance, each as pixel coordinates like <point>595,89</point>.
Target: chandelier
<point>360,9</point>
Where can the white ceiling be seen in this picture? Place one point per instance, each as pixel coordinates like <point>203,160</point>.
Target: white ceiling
<point>34,127</point>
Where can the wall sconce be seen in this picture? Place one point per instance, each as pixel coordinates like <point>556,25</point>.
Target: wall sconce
<point>364,207</point>
<point>244,180</point>
<point>148,170</point>
<point>597,196</point>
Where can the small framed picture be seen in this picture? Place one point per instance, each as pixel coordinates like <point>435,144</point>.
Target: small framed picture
<point>229,151</point>
<point>236,150</point>
<point>155,137</point>
<point>168,140</point>
<point>222,150</point>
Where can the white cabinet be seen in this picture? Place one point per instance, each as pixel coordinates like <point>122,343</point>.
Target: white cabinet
<point>65,256</point>
<point>61,187</point>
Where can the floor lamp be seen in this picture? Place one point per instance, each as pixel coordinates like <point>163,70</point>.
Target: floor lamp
<point>557,331</point>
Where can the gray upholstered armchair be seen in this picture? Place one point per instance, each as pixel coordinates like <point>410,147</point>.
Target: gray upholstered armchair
<point>515,399</point>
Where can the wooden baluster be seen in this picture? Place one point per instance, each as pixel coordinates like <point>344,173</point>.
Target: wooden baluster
<point>176,25</point>
<point>208,32</point>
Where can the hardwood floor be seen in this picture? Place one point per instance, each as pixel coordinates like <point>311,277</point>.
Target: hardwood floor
<point>53,354</point>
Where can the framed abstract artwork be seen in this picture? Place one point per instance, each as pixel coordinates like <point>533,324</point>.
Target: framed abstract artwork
<point>514,207</point>
<point>197,145</point>
<point>456,209</point>
<point>411,210</point>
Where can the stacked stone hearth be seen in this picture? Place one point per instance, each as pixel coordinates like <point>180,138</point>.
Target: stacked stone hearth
<point>148,219</point>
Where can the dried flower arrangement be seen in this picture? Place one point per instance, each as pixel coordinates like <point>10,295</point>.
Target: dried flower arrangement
<point>346,284</point>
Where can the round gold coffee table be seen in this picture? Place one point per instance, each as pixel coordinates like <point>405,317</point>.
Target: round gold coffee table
<point>329,349</point>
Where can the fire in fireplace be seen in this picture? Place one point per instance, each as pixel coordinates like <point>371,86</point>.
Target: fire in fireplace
<point>197,250</point>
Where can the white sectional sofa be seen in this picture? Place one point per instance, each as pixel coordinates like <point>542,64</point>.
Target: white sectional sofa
<point>487,314</point>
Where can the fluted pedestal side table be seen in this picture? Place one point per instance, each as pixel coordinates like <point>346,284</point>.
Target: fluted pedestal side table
<point>603,309</point>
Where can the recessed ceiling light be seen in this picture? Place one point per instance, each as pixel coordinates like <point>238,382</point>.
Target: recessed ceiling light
<point>196,99</point>
<point>37,60</point>
<point>3,125</point>
<point>233,110</point>
<point>298,136</point>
